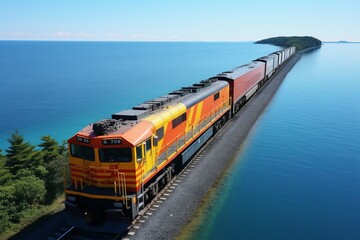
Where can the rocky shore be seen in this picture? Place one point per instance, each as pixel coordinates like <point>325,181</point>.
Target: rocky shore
<point>177,206</point>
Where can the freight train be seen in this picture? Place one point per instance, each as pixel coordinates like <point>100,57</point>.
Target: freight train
<point>117,165</point>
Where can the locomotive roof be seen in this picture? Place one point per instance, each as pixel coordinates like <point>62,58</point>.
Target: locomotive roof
<point>186,95</point>
<point>123,121</point>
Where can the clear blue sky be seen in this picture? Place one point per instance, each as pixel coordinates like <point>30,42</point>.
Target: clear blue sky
<point>181,20</point>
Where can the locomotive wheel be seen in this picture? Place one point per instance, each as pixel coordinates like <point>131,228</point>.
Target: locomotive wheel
<point>168,176</point>
<point>154,190</point>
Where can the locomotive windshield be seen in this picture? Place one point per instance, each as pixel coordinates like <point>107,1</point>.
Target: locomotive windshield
<point>115,154</point>
<point>83,152</point>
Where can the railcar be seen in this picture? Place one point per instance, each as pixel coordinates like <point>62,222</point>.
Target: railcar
<point>292,50</point>
<point>244,82</point>
<point>117,165</point>
<point>276,60</point>
<point>281,57</point>
<point>269,65</point>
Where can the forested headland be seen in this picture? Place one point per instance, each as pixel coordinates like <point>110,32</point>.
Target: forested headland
<point>31,177</point>
<point>300,43</point>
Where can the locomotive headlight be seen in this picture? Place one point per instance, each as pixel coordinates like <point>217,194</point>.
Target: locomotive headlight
<point>71,198</point>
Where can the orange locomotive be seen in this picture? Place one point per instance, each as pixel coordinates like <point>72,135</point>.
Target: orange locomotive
<point>118,165</point>
<point>126,159</point>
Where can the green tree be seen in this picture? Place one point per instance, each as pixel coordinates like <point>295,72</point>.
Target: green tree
<point>8,209</point>
<point>21,155</point>
<point>63,148</point>
<point>54,157</point>
<point>5,175</point>
<point>22,173</point>
<point>4,220</point>
<point>41,172</point>
<point>36,174</point>
<point>29,191</point>
<point>54,181</point>
<point>24,193</point>
<point>50,149</point>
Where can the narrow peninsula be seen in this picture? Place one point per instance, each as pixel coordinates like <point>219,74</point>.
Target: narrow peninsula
<point>300,43</point>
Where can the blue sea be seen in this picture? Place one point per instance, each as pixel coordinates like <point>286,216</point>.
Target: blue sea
<point>298,175</point>
<point>57,88</point>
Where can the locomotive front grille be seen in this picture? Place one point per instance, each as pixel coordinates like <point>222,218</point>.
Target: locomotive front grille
<point>104,179</point>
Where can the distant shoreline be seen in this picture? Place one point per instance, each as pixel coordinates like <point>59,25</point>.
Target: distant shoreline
<point>114,41</point>
<point>341,42</point>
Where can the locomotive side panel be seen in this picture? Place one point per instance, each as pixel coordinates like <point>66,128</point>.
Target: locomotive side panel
<point>178,125</point>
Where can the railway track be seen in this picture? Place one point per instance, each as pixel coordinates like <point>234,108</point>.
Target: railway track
<point>74,233</point>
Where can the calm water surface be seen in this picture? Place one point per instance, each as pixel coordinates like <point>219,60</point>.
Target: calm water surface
<point>57,88</point>
<point>298,176</point>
